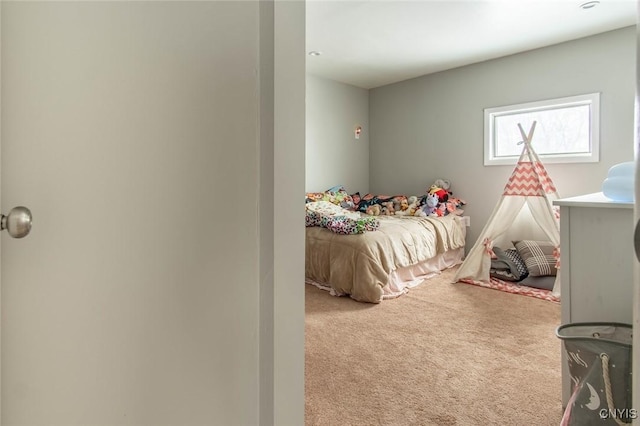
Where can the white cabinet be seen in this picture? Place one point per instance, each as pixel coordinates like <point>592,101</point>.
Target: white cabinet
<point>596,263</point>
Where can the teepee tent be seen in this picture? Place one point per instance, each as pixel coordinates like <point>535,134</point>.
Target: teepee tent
<point>529,185</point>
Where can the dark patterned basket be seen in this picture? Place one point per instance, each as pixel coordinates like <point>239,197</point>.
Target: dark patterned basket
<point>599,360</point>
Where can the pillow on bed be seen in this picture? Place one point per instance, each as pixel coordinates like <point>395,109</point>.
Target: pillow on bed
<point>366,201</point>
<point>327,208</point>
<point>336,195</point>
<point>508,265</point>
<point>538,256</point>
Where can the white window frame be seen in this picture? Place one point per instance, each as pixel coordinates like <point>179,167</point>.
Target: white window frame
<point>592,100</point>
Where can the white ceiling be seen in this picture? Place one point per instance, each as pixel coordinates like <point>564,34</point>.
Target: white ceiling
<point>376,42</point>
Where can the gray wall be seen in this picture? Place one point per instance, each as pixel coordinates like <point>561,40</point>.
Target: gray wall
<point>432,126</point>
<point>333,155</point>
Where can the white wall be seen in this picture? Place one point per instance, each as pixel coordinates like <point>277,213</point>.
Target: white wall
<point>333,155</point>
<point>432,126</point>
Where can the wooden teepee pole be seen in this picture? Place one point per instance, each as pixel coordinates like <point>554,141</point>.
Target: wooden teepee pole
<point>526,138</point>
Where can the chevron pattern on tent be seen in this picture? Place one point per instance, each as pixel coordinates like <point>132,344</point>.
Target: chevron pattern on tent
<point>529,180</point>
<point>514,288</point>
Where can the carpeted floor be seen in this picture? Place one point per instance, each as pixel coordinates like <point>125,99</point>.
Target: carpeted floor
<point>443,354</point>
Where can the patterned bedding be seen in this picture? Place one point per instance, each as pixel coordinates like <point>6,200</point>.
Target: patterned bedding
<point>360,264</point>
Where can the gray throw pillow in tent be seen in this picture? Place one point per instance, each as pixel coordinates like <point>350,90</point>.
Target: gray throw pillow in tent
<point>521,266</point>
<point>538,256</point>
<point>543,283</point>
<point>508,265</point>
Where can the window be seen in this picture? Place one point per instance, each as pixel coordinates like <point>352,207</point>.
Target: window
<point>566,131</point>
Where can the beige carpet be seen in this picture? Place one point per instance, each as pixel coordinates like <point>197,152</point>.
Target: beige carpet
<point>443,354</point>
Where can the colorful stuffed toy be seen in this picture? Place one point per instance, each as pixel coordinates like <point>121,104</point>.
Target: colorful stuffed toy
<point>374,210</point>
<point>387,208</point>
<point>443,183</point>
<point>413,205</point>
<point>442,193</point>
<point>431,204</point>
<point>403,209</point>
<point>401,204</point>
<point>453,206</point>
<point>447,203</point>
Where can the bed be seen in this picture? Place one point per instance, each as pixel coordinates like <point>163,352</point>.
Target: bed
<point>386,262</point>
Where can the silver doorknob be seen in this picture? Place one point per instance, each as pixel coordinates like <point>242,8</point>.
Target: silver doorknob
<point>17,222</point>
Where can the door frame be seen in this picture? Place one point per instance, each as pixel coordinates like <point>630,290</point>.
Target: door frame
<point>284,300</point>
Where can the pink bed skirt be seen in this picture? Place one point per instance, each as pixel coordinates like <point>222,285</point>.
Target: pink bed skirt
<point>403,279</point>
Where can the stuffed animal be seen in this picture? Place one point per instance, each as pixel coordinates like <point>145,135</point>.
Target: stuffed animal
<point>431,204</point>
<point>403,210</point>
<point>442,193</point>
<point>387,208</point>
<point>419,207</point>
<point>373,210</point>
<point>454,204</point>
<point>400,204</point>
<point>443,183</point>
<point>413,205</point>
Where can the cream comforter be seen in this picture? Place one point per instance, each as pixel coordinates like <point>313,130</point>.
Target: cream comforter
<point>359,265</point>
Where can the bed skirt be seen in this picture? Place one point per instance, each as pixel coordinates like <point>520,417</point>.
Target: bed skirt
<point>403,279</point>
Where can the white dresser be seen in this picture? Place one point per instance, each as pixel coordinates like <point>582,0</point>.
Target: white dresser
<point>596,263</point>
